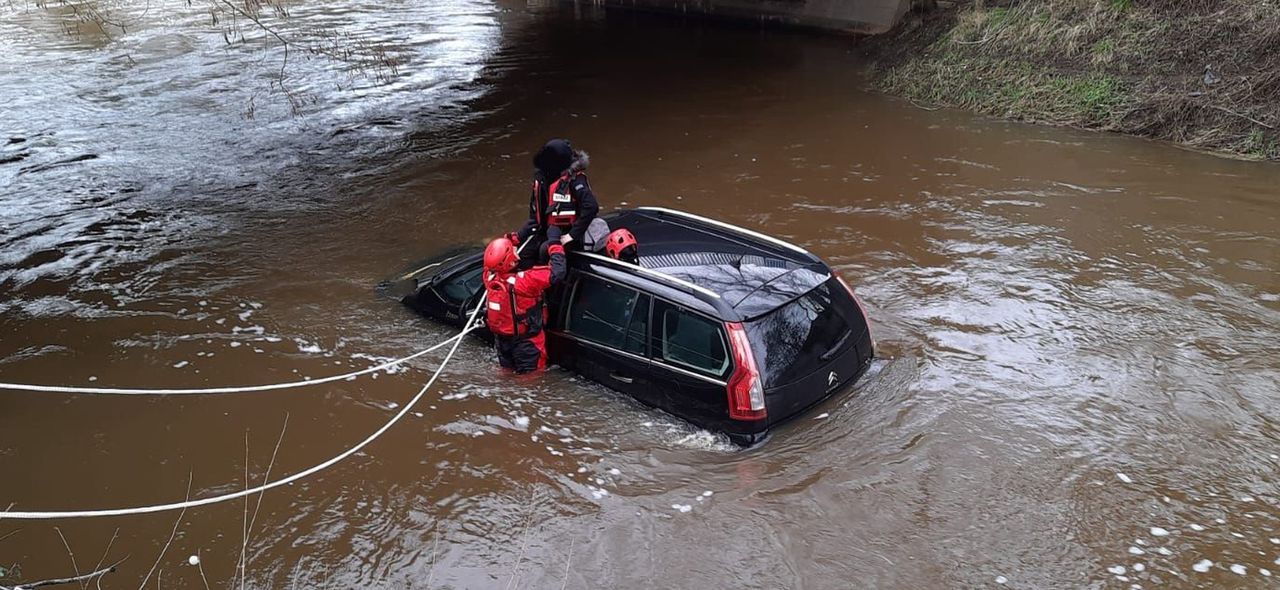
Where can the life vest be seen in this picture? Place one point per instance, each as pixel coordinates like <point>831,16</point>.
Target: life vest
<point>561,206</point>
<point>510,314</point>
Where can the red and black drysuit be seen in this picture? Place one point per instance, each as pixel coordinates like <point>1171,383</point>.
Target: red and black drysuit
<point>516,312</point>
<point>560,201</point>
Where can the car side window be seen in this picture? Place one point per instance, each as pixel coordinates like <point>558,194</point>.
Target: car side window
<point>689,341</point>
<point>601,312</point>
<point>638,330</point>
<point>460,287</point>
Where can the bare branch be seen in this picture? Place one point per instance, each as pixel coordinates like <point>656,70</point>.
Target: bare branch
<point>75,568</point>
<point>244,563</point>
<point>172,534</point>
<point>72,580</point>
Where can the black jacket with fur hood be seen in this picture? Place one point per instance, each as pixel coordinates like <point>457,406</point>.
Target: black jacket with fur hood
<point>554,159</point>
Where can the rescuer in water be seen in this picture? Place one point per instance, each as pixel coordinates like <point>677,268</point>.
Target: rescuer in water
<point>561,204</point>
<point>621,245</point>
<point>514,302</point>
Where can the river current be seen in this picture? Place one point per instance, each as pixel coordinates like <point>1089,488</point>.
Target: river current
<point>1078,383</point>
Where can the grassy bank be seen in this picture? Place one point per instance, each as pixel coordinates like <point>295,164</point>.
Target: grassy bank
<point>1202,73</point>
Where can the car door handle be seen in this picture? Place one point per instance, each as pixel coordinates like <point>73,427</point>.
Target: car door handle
<point>622,378</point>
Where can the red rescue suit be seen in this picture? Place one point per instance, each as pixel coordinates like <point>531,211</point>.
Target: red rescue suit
<point>515,312</point>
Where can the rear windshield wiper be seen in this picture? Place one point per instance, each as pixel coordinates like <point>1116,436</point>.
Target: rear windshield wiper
<point>826,356</point>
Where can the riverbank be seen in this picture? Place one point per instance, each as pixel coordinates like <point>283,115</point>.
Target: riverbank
<point>1201,73</point>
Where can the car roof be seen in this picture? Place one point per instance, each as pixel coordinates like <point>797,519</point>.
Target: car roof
<point>727,271</point>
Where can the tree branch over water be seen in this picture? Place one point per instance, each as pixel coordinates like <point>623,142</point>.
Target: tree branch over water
<point>236,19</point>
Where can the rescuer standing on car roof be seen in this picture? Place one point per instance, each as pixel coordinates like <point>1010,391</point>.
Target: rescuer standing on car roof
<point>514,302</point>
<point>561,205</point>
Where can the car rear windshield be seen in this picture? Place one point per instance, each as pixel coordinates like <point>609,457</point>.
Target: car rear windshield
<point>800,337</point>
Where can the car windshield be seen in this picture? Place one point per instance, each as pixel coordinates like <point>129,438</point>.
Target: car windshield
<point>802,336</point>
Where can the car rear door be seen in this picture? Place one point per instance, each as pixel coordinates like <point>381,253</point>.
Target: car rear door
<point>691,359</point>
<point>809,348</point>
<point>606,326</point>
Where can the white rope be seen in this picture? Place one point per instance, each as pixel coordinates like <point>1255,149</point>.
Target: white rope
<point>211,390</point>
<point>275,484</point>
<point>467,327</point>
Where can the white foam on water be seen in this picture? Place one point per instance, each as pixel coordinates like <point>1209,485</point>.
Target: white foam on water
<point>1164,551</point>
<point>1159,532</point>
<point>1136,551</point>
<point>92,378</point>
<point>1002,580</point>
<point>308,347</point>
<point>1246,498</point>
<point>682,507</point>
<point>1266,573</point>
<point>392,405</point>
<point>1219,521</point>
<point>822,416</point>
<point>1124,478</point>
<point>1196,527</point>
<point>180,364</point>
<point>522,421</point>
<point>1202,566</point>
<point>707,494</point>
<point>193,560</point>
<point>235,345</point>
<point>1237,535</point>
<point>1274,540</point>
<point>418,414</point>
<point>615,471</point>
<point>1238,569</point>
<point>1117,570</point>
<point>582,470</point>
<point>1140,541</point>
<point>1137,567</point>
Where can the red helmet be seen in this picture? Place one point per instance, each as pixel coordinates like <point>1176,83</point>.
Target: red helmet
<point>500,256</point>
<point>618,242</point>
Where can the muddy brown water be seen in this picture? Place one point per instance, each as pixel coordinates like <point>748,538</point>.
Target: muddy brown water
<point>1078,385</point>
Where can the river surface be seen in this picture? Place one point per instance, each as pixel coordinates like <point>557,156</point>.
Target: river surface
<point>1078,383</point>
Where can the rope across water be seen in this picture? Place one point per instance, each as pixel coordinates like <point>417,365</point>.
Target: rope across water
<point>213,390</point>
<point>49,515</point>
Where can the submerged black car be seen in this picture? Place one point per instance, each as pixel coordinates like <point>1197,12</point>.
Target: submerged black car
<point>727,328</point>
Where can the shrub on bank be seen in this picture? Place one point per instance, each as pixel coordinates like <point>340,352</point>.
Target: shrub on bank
<point>1204,73</point>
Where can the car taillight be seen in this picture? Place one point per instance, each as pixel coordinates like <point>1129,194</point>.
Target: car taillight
<point>861,308</point>
<point>746,393</point>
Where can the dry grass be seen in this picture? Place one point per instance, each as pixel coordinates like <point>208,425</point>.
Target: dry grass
<point>1205,73</point>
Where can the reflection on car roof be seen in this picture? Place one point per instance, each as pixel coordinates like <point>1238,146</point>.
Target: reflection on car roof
<point>751,277</point>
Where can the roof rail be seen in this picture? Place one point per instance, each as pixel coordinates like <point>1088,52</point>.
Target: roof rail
<point>730,227</point>
<point>659,276</point>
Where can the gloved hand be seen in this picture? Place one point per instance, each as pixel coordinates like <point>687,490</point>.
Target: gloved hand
<point>514,237</point>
